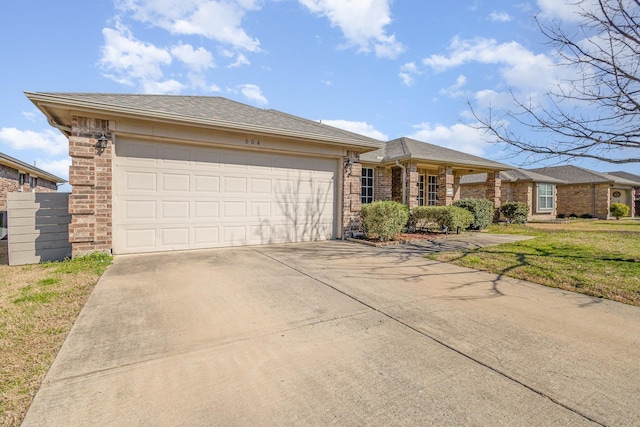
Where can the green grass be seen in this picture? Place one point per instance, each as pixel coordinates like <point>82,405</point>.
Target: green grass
<point>38,305</point>
<point>599,263</point>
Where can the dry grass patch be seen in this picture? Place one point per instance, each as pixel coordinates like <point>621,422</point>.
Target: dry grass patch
<point>601,264</point>
<point>38,305</point>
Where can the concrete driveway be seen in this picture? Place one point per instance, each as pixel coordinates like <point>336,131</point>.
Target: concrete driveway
<point>338,333</point>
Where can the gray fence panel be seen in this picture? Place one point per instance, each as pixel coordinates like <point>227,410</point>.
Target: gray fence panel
<point>38,227</point>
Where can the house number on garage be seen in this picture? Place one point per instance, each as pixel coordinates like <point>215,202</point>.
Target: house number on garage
<point>252,141</point>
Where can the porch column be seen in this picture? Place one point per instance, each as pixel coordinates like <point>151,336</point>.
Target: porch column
<point>456,187</point>
<point>351,189</point>
<point>445,185</point>
<point>494,191</point>
<point>412,185</point>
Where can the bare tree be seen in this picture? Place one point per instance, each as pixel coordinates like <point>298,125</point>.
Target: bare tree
<point>596,114</point>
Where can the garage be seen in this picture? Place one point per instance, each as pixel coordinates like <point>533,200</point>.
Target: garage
<point>155,173</point>
<point>176,197</point>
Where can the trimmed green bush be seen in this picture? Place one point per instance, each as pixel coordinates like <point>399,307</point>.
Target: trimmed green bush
<point>442,217</point>
<point>384,219</point>
<point>515,212</point>
<point>619,210</point>
<point>482,210</point>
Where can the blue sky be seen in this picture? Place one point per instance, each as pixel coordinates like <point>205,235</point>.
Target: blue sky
<point>379,67</point>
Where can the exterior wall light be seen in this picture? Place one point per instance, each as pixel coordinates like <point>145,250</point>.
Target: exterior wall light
<point>102,142</point>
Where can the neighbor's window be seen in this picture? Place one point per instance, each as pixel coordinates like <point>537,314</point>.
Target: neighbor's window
<point>545,197</point>
<point>433,190</point>
<point>420,190</point>
<point>366,195</point>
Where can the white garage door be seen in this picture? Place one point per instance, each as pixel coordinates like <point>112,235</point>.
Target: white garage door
<point>171,197</point>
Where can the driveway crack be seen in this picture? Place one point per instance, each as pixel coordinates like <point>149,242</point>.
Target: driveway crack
<point>437,340</point>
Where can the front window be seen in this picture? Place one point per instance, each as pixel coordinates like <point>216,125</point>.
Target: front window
<point>433,190</point>
<point>366,195</point>
<point>420,190</point>
<point>545,197</point>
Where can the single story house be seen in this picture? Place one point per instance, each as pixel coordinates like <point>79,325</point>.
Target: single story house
<point>161,172</point>
<point>520,185</point>
<point>154,173</point>
<point>18,176</point>
<point>417,173</point>
<point>587,192</point>
<point>631,177</point>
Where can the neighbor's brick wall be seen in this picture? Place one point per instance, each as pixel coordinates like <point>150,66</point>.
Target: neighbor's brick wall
<point>90,202</point>
<point>9,183</point>
<point>582,199</point>
<point>351,203</point>
<point>494,192</point>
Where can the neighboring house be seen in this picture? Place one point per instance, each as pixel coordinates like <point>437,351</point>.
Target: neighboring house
<point>631,177</point>
<point>587,192</point>
<point>519,185</point>
<point>159,173</point>
<point>18,176</point>
<point>417,173</point>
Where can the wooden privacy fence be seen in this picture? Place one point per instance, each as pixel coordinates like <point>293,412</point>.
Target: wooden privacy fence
<point>38,227</point>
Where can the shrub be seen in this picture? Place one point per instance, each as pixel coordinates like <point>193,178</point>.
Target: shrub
<point>619,210</point>
<point>442,217</point>
<point>560,216</point>
<point>586,216</point>
<point>482,210</point>
<point>384,219</point>
<point>515,212</point>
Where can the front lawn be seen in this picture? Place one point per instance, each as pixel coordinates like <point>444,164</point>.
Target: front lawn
<point>603,263</point>
<point>38,305</point>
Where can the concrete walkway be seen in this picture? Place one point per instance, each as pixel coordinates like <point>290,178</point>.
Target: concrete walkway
<point>338,333</point>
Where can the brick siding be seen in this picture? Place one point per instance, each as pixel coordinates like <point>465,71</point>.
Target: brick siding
<point>580,199</point>
<point>351,193</point>
<point>90,202</point>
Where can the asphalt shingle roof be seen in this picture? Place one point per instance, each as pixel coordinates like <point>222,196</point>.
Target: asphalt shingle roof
<point>407,148</point>
<point>19,164</point>
<point>512,175</point>
<point>207,110</point>
<point>626,175</point>
<point>577,175</point>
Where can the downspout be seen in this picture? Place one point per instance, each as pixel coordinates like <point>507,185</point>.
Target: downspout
<point>404,182</point>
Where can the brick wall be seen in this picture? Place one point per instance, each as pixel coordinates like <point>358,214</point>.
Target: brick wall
<point>351,204</point>
<point>396,184</point>
<point>579,199</point>
<point>9,183</point>
<point>473,191</point>
<point>382,183</point>
<point>412,185</point>
<point>90,202</point>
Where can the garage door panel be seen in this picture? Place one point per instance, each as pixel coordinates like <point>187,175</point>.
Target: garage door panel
<point>198,197</point>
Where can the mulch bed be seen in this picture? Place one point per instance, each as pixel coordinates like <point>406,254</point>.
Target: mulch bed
<point>402,238</point>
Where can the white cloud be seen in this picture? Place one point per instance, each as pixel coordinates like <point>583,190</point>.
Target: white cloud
<point>361,128</point>
<point>196,60</point>
<point>31,116</point>
<point>407,73</point>
<point>459,137</point>
<point>129,61</point>
<point>362,23</point>
<point>47,141</point>
<point>56,167</point>
<point>566,10</point>
<point>216,20</point>
<point>240,61</point>
<point>253,94</point>
<point>521,68</point>
<point>499,16</point>
<point>454,90</point>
